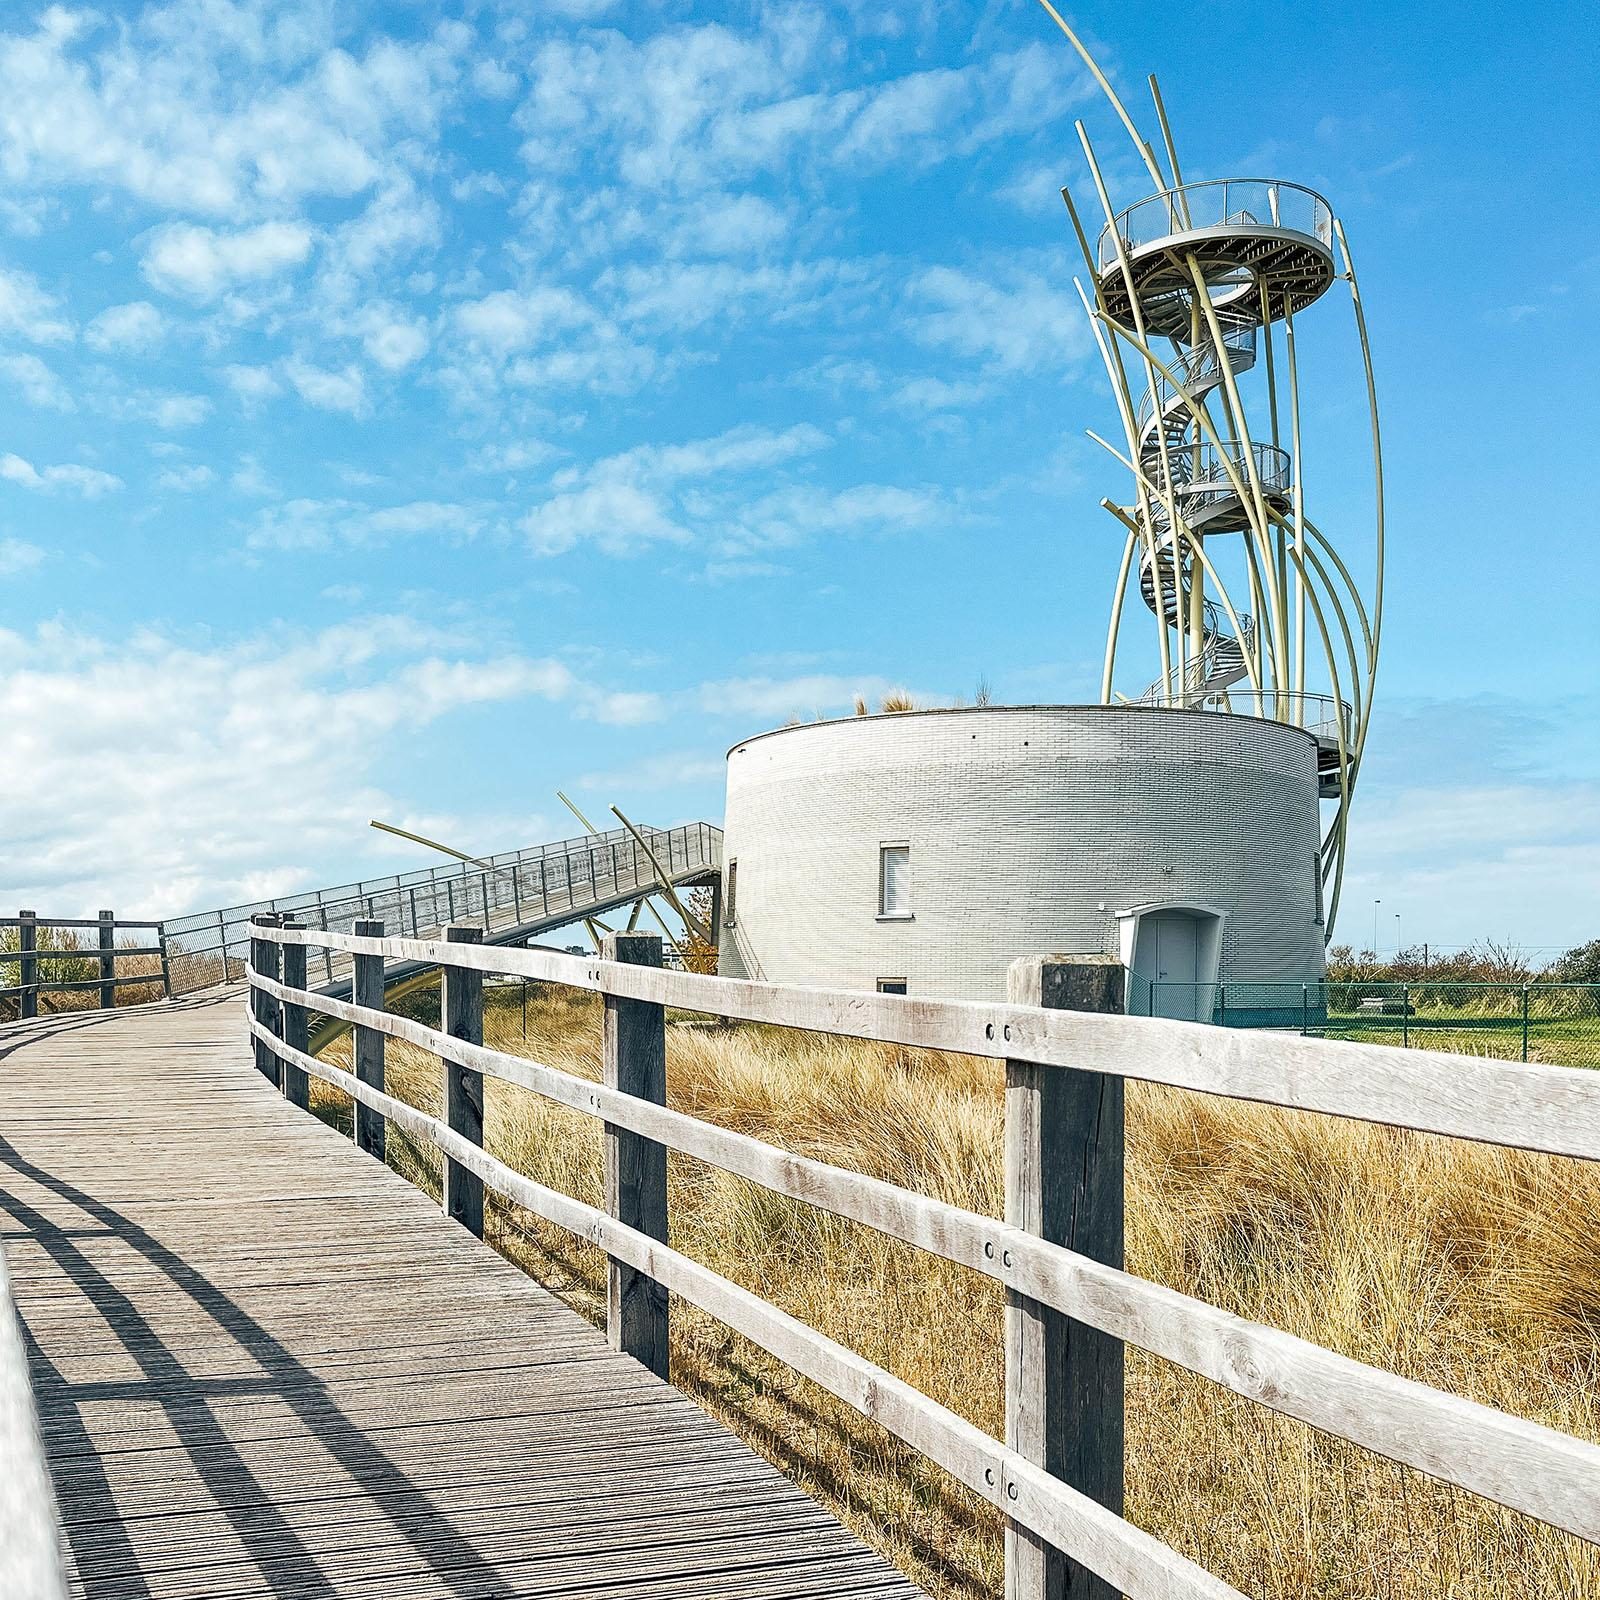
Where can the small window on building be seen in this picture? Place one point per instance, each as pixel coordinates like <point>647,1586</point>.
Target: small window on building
<point>730,895</point>
<point>894,880</point>
<point>891,985</point>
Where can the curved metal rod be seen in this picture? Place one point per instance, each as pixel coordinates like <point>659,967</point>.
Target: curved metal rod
<point>1372,407</point>
<point>1118,595</point>
<point>1139,142</point>
<point>1125,403</point>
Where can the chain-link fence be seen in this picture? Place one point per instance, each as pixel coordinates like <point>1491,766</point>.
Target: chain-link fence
<point>517,888</point>
<point>1555,1023</point>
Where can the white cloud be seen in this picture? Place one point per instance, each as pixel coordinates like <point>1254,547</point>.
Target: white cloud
<point>17,556</point>
<point>617,517</point>
<point>174,411</point>
<point>90,482</point>
<point>187,479</point>
<point>630,500</point>
<point>393,340</point>
<point>252,384</point>
<point>168,775</point>
<point>811,695</point>
<point>1013,321</point>
<point>39,384</point>
<point>693,107</point>
<point>156,105</point>
<point>1513,860</point>
<point>186,259</point>
<point>135,326</point>
<point>27,310</point>
<point>306,524</point>
<point>511,320</point>
<point>327,390</point>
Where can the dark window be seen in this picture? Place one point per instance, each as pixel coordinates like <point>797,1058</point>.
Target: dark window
<point>891,985</point>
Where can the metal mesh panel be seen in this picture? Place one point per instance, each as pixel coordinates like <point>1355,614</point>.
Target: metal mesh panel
<point>1554,1023</point>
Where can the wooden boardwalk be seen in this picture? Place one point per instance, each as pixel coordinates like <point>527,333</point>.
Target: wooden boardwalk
<point>267,1365</point>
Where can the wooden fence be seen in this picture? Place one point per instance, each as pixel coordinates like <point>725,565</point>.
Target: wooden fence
<point>1071,1307</point>
<point>28,957</point>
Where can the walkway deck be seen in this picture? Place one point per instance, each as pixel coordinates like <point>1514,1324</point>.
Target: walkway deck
<point>266,1365</point>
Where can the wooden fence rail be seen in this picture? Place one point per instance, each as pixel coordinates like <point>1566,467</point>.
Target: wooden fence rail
<point>1072,1307</point>
<point>31,1567</point>
<point>29,957</point>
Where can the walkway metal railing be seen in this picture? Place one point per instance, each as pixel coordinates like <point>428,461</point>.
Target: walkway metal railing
<point>508,890</point>
<point>1057,1477</point>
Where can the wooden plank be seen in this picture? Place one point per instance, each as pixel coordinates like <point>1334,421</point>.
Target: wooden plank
<point>358,1398</point>
<point>367,1054</point>
<point>1063,1183</point>
<point>1138,1565</point>
<point>69,922</point>
<point>1520,1464</point>
<point>635,1064</point>
<point>461,1011</point>
<point>1530,1107</point>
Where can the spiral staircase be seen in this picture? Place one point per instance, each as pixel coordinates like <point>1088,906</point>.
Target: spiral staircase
<point>1207,266</point>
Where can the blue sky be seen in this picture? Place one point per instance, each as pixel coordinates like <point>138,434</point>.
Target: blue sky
<point>409,409</point>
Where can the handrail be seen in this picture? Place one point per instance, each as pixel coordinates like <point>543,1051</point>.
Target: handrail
<point>208,947</point>
<point>30,956</point>
<point>31,1565</point>
<point>1222,202</point>
<point>1549,1109</point>
<point>1524,1465</point>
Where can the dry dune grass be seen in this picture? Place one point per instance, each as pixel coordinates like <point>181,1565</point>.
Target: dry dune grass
<point>1466,1267</point>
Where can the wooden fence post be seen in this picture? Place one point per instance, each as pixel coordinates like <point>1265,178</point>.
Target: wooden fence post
<point>108,959</point>
<point>266,1011</point>
<point>166,961</point>
<point>27,965</point>
<point>461,1009</point>
<point>296,1030</point>
<point>636,1168</point>
<point>366,989</point>
<point>1064,1164</point>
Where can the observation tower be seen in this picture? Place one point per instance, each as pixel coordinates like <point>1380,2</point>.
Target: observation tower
<point>1196,289</point>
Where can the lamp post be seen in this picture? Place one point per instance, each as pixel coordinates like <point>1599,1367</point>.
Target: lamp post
<point>1397,936</point>
<point>1375,905</point>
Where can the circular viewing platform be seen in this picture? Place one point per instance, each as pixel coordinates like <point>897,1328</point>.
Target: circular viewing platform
<point>1246,236</point>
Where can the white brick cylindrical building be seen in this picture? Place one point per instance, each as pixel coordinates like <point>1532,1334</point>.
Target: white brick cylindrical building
<point>931,848</point>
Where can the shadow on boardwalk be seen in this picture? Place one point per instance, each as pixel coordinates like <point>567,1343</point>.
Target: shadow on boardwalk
<point>107,1562</point>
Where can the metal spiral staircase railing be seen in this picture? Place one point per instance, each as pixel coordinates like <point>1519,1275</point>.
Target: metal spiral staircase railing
<point>1194,474</point>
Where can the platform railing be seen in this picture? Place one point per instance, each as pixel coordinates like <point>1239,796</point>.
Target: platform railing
<point>1067,1050</point>
<point>1218,203</point>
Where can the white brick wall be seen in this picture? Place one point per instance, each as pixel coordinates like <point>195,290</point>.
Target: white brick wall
<point>1022,821</point>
